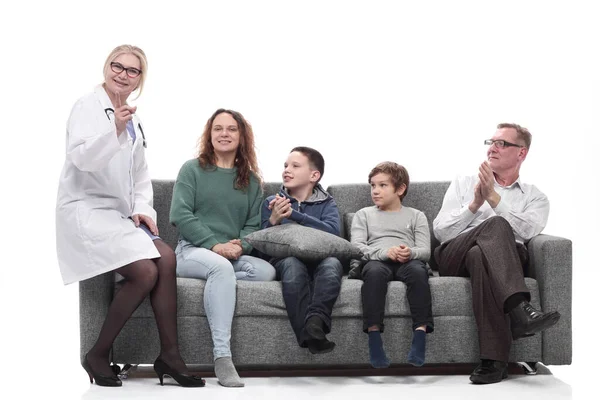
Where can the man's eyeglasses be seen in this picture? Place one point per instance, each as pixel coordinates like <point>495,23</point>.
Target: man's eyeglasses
<point>118,68</point>
<point>500,143</point>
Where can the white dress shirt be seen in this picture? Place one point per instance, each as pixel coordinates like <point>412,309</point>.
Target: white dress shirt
<point>524,206</point>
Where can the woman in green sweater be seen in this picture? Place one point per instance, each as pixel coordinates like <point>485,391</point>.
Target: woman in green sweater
<point>216,203</point>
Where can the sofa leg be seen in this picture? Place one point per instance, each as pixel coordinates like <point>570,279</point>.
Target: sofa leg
<point>127,369</point>
<point>529,367</point>
<point>116,369</point>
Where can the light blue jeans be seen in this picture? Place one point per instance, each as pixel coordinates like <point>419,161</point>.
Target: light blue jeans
<point>220,275</point>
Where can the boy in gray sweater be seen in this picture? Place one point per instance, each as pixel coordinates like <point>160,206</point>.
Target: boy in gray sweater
<point>395,242</point>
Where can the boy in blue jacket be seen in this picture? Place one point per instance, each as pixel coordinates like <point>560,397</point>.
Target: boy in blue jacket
<point>302,200</point>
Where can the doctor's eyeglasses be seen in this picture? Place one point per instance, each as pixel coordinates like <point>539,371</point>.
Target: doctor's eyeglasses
<point>500,143</point>
<point>118,68</point>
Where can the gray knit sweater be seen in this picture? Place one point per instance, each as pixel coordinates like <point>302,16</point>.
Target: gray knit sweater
<point>375,231</point>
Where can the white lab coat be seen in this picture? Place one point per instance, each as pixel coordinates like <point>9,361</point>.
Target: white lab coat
<point>104,181</point>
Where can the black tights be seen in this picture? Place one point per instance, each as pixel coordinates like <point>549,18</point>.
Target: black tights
<point>157,278</point>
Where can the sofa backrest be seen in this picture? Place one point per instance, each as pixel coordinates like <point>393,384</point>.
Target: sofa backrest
<point>424,196</point>
<point>163,194</point>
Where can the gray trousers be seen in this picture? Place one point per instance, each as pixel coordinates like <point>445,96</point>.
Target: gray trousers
<point>489,255</point>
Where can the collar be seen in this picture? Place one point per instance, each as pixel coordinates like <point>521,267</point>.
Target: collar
<point>516,183</point>
<point>318,194</point>
<point>103,97</point>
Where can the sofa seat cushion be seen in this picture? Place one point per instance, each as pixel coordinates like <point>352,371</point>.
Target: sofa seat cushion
<point>451,296</point>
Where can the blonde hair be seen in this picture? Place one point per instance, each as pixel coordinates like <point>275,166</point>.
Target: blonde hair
<point>129,49</point>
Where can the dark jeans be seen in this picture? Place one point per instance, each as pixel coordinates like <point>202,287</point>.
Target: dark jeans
<point>377,274</point>
<point>305,298</point>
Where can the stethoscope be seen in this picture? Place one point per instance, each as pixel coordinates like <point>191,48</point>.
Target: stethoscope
<point>110,112</point>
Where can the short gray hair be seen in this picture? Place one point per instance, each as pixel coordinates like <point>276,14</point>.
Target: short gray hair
<point>522,132</point>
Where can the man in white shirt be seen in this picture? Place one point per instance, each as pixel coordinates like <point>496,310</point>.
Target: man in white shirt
<point>483,225</point>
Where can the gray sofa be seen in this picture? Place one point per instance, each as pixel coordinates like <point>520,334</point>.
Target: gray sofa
<point>262,337</point>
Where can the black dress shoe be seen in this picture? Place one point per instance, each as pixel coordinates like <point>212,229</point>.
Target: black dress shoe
<point>526,320</point>
<point>162,368</point>
<point>101,380</point>
<point>490,371</point>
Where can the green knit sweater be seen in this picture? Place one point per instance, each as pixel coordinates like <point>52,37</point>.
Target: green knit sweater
<point>208,210</point>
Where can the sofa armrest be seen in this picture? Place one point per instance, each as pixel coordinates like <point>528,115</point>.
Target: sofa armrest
<point>95,296</point>
<point>551,264</point>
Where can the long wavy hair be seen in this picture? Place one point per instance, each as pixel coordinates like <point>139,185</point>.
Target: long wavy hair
<point>245,157</point>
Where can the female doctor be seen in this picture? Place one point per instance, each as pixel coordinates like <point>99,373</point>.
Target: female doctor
<point>105,220</point>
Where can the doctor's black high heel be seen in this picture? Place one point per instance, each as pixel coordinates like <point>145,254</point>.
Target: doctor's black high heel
<point>162,368</point>
<point>101,380</point>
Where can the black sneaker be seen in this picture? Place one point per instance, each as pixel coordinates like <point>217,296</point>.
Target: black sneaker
<point>314,328</point>
<point>322,346</point>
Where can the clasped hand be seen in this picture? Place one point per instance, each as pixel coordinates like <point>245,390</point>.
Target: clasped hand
<point>484,190</point>
<point>231,250</point>
<point>280,208</point>
<point>399,253</point>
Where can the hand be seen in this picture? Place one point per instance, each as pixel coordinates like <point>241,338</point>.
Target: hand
<point>280,208</point>
<point>237,243</point>
<point>393,253</point>
<point>403,254</point>
<point>275,200</point>
<point>486,178</point>
<point>141,218</point>
<point>272,202</point>
<point>230,251</point>
<point>122,115</point>
<point>478,199</point>
<point>237,249</point>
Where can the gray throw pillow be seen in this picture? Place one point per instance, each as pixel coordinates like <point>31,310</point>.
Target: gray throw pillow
<point>308,244</point>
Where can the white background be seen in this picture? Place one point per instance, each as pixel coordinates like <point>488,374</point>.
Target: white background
<point>421,84</point>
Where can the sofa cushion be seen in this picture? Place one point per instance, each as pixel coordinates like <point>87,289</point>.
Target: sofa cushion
<point>451,296</point>
<point>308,244</point>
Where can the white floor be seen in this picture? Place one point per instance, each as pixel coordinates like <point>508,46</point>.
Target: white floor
<point>555,383</point>
<point>332,388</point>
